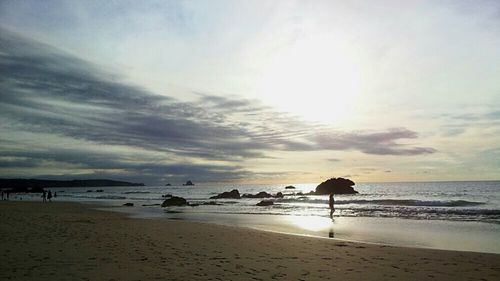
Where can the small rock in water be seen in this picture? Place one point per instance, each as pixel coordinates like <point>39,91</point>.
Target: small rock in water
<point>265,203</point>
<point>174,201</point>
<point>261,194</point>
<point>233,194</point>
<point>128,204</point>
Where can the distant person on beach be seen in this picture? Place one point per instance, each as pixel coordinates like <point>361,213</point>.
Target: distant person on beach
<point>44,196</point>
<point>2,195</point>
<point>49,196</point>
<point>55,194</point>
<point>332,205</point>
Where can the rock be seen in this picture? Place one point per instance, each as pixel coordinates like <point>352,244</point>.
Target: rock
<point>211,203</point>
<point>129,204</point>
<point>90,190</point>
<point>261,194</point>
<point>188,183</point>
<point>149,205</point>
<point>233,194</point>
<point>166,195</point>
<point>99,190</point>
<point>335,186</point>
<point>174,201</point>
<point>168,184</point>
<point>265,203</point>
<point>290,187</point>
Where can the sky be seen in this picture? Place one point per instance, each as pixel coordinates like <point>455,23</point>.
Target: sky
<point>250,91</point>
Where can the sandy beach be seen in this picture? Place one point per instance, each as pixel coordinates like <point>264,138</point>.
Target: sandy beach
<point>70,241</point>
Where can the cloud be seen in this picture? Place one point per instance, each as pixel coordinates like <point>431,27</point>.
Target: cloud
<point>378,143</point>
<point>47,92</point>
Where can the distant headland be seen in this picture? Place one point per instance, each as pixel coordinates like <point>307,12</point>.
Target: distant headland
<point>34,185</point>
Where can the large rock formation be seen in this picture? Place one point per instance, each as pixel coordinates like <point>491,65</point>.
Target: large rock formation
<point>336,186</point>
<point>174,201</point>
<point>233,194</point>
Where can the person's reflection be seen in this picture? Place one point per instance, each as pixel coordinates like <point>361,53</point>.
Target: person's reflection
<point>331,234</point>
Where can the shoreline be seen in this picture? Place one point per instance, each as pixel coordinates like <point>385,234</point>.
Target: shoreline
<point>427,234</point>
<point>62,240</point>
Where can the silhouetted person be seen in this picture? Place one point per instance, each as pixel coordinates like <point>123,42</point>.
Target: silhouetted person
<point>49,196</point>
<point>44,196</point>
<point>55,194</point>
<point>8,194</point>
<point>2,196</point>
<point>332,205</point>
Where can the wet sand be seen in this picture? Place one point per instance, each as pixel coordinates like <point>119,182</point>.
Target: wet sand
<point>69,241</point>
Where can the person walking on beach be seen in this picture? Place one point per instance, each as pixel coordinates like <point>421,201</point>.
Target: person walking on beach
<point>49,196</point>
<point>44,196</point>
<point>332,205</point>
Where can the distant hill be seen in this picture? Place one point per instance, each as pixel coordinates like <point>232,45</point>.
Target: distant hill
<point>25,185</point>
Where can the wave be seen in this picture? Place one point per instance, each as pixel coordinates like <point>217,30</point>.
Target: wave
<point>388,202</point>
<point>110,197</point>
<point>423,203</point>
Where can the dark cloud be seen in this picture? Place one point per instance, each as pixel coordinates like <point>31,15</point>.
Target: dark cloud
<point>45,91</point>
<point>379,143</point>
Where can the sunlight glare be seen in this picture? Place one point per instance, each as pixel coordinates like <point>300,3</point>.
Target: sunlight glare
<point>311,223</point>
<point>316,79</point>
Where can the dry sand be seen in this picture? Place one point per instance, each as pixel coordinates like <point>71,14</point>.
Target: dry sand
<point>69,241</point>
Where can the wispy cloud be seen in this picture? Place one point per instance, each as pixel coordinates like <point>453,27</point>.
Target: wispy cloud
<point>45,91</point>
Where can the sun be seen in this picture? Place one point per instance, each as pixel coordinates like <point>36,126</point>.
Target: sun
<point>316,79</point>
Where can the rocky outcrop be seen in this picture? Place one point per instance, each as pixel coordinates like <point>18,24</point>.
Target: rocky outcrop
<point>233,194</point>
<point>265,203</point>
<point>129,204</point>
<point>335,186</point>
<point>290,187</point>
<point>27,185</point>
<point>174,201</point>
<point>263,194</point>
<point>188,183</point>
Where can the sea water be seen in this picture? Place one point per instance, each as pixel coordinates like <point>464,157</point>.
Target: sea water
<point>446,215</point>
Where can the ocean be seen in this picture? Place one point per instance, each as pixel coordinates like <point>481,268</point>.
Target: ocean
<point>445,215</point>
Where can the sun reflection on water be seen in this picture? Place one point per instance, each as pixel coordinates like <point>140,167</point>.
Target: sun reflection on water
<point>311,223</point>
